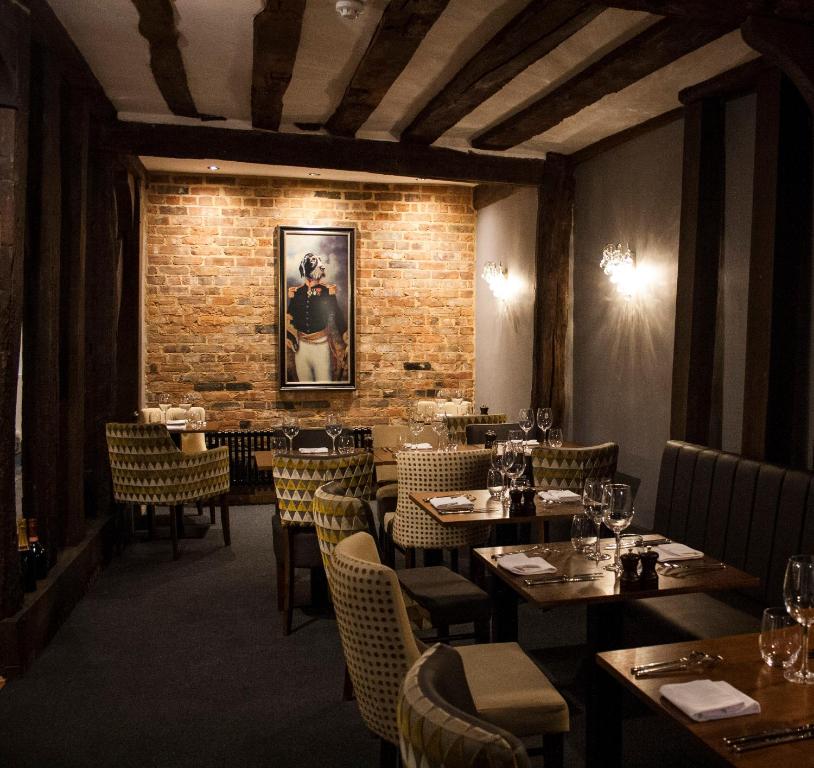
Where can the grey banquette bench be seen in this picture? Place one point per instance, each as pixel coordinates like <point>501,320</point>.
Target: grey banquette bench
<point>751,515</point>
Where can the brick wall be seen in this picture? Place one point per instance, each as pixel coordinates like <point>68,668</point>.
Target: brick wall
<point>211,314</point>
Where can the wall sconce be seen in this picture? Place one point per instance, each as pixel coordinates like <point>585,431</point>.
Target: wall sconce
<point>495,275</point>
<point>620,266</point>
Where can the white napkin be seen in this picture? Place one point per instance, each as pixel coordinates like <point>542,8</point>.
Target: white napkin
<point>677,551</point>
<point>416,446</point>
<point>451,503</point>
<point>558,497</point>
<point>703,700</point>
<point>531,442</point>
<point>523,565</point>
<point>176,422</point>
<point>313,450</point>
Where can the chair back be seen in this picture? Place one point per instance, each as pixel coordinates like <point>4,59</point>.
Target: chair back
<point>438,724</point>
<point>456,425</point>
<point>338,515</point>
<point>377,640</point>
<point>568,468</point>
<point>439,471</point>
<point>476,433</point>
<point>296,479</point>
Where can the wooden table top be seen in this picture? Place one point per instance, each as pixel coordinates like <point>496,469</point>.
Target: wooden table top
<point>782,703</point>
<point>489,510</point>
<point>265,459</point>
<point>606,589</point>
<point>386,455</point>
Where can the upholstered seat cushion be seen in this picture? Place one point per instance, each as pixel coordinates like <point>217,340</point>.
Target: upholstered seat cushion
<point>448,597</point>
<point>510,691</point>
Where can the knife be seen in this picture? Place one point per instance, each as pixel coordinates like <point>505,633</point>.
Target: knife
<point>770,741</point>
<point>563,579</point>
<point>768,734</point>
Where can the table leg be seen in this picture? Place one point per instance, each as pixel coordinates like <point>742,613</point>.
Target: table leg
<point>504,610</point>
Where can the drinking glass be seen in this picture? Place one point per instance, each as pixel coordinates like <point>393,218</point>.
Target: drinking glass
<point>185,404</point>
<point>798,595</point>
<point>164,403</point>
<point>277,445</point>
<point>545,418</point>
<point>290,429</point>
<point>779,638</point>
<point>333,426</point>
<point>416,426</point>
<point>440,400</point>
<point>514,460</point>
<point>617,512</point>
<point>494,483</point>
<point>583,535</point>
<point>439,426</point>
<point>345,444</point>
<point>526,421</point>
<point>458,396</point>
<point>555,438</point>
<point>592,504</point>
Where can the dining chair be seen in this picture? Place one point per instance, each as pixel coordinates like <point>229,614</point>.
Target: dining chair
<point>456,425</point>
<point>476,433</point>
<point>148,468</point>
<point>569,468</point>
<point>296,479</point>
<point>438,724</point>
<point>507,687</point>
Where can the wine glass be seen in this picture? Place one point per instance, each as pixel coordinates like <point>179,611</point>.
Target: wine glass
<point>439,426</point>
<point>164,403</point>
<point>333,426</point>
<point>555,437</point>
<point>798,595</point>
<point>185,403</point>
<point>526,421</point>
<point>617,512</point>
<point>545,418</point>
<point>440,400</point>
<point>458,397</point>
<point>514,460</point>
<point>496,459</point>
<point>416,426</point>
<point>592,503</point>
<point>290,429</point>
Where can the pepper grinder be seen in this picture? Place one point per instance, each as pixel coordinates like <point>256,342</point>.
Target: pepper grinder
<point>516,496</point>
<point>528,500</point>
<point>649,576</point>
<point>630,570</point>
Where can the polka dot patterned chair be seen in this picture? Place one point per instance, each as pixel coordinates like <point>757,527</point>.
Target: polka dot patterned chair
<point>507,687</point>
<point>568,468</point>
<point>148,468</point>
<point>442,471</point>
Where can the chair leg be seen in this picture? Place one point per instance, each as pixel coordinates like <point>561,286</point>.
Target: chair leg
<point>554,750</point>
<point>347,687</point>
<point>174,531</point>
<point>199,507</point>
<point>224,522</point>
<point>482,631</point>
<point>212,512</point>
<point>453,560</point>
<point>388,755</point>
<point>150,522</point>
<point>179,513</point>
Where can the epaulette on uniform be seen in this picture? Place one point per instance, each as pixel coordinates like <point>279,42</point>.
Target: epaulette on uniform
<point>332,289</point>
<point>292,290</point>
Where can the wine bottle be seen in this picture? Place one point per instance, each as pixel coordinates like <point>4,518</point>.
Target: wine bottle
<point>37,550</point>
<point>27,572</point>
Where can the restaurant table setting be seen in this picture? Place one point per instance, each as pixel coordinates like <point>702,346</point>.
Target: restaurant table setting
<point>559,497</point>
<point>446,504</point>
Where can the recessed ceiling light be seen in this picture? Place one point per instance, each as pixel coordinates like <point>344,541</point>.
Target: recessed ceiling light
<point>312,173</point>
<point>213,167</point>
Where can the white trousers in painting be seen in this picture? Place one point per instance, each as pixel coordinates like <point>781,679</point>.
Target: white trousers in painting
<point>313,360</point>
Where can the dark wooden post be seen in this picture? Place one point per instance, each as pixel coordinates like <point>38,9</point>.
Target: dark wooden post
<point>14,44</point>
<point>555,207</point>
<point>699,253</point>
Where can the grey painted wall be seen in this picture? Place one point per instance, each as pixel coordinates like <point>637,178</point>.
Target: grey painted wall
<point>623,349</point>
<point>506,231</point>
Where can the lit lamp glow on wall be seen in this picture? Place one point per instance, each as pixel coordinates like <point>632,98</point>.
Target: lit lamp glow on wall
<point>494,274</point>
<point>619,264</point>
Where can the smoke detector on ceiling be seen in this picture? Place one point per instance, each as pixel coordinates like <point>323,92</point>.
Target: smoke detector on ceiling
<point>350,9</point>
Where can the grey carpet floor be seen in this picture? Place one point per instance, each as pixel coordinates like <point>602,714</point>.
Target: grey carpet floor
<point>183,664</point>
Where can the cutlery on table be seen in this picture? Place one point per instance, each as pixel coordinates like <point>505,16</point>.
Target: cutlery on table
<point>539,581</point>
<point>541,548</point>
<point>669,662</point>
<point>689,566</point>
<point>706,661</point>
<point>769,738</point>
<point>638,541</point>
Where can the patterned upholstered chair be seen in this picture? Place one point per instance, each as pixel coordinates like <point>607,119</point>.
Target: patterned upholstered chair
<point>148,468</point>
<point>296,479</point>
<point>507,687</point>
<point>438,724</point>
<point>476,433</point>
<point>456,425</point>
<point>412,527</point>
<point>568,468</point>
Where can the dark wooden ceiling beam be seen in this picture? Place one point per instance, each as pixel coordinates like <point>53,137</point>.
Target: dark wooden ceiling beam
<point>303,151</point>
<point>529,36</point>
<point>277,30</point>
<point>659,45</point>
<point>724,11</point>
<point>404,24</point>
<point>726,85</point>
<point>157,26</point>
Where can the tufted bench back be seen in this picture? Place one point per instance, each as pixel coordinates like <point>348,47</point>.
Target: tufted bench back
<point>749,514</point>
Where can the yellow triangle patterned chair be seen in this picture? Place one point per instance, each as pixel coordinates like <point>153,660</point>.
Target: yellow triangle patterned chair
<point>568,468</point>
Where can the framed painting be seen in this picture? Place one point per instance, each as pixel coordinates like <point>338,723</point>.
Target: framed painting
<point>317,308</point>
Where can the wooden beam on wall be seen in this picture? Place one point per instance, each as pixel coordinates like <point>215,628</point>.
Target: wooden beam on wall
<point>699,253</point>
<point>530,35</point>
<point>404,24</point>
<point>320,152</point>
<point>486,194</point>
<point>657,46</point>
<point>13,178</point>
<point>731,11</point>
<point>277,31</point>
<point>552,276</point>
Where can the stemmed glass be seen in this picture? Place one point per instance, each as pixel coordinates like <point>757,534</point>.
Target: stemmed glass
<point>290,429</point>
<point>617,512</point>
<point>592,503</point>
<point>798,595</point>
<point>545,418</point>
<point>416,426</point>
<point>333,426</point>
<point>440,400</point>
<point>439,426</point>
<point>458,397</point>
<point>185,404</point>
<point>526,421</point>
<point>514,460</point>
<point>496,458</point>
<point>164,403</point>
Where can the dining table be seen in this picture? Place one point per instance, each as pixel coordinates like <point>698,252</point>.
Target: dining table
<point>783,705</point>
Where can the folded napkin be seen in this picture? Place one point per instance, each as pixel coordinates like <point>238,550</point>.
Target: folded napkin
<point>523,565</point>
<point>452,503</point>
<point>676,551</point>
<point>416,446</point>
<point>703,700</point>
<point>559,496</point>
<point>176,422</point>
<point>531,442</point>
<point>313,450</point>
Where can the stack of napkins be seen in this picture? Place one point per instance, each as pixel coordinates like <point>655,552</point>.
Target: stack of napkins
<point>416,446</point>
<point>676,551</point>
<point>703,700</point>
<point>313,450</point>
<point>523,565</point>
<point>559,497</point>
<point>176,423</point>
<point>452,503</point>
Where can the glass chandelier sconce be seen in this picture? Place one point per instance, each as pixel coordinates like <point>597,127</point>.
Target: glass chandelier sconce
<point>619,264</point>
<point>495,275</point>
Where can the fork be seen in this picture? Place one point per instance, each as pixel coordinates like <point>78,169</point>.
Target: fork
<point>537,547</point>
